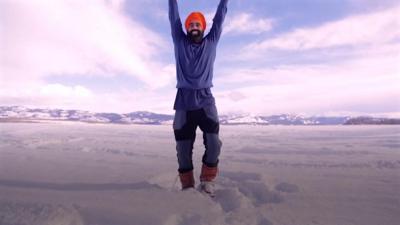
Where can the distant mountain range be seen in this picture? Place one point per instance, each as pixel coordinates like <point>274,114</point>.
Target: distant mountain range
<point>23,114</point>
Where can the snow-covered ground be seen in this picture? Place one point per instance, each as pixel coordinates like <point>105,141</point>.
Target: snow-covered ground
<point>103,174</point>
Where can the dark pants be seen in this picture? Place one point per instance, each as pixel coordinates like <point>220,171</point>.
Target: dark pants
<point>185,125</point>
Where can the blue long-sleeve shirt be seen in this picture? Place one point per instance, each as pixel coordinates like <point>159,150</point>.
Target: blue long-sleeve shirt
<point>195,62</point>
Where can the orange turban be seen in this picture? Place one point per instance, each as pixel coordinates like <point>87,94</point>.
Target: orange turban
<point>195,16</point>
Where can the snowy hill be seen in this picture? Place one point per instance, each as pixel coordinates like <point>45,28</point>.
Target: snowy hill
<point>20,113</point>
<point>283,119</point>
<point>17,113</point>
<point>371,120</point>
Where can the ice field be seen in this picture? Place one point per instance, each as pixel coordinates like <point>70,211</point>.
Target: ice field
<point>100,174</point>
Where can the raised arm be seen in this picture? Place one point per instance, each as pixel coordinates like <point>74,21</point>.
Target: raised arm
<point>216,29</point>
<point>175,20</point>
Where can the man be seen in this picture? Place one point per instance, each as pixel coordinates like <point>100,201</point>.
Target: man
<point>194,103</point>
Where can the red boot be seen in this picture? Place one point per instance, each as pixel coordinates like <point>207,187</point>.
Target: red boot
<point>208,174</point>
<point>187,180</point>
<point>207,177</point>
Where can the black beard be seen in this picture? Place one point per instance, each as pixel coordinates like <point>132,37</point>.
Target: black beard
<point>196,38</point>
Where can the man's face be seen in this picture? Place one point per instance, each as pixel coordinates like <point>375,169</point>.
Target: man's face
<point>195,25</point>
<point>195,31</point>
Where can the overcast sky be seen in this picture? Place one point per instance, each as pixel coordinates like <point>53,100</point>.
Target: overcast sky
<point>312,57</point>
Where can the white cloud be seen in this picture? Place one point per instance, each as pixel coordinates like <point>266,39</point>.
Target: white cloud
<point>309,99</point>
<point>363,78</point>
<point>246,23</point>
<point>44,95</point>
<point>364,65</point>
<point>43,38</point>
<point>79,97</point>
<point>62,91</point>
<point>242,23</point>
<point>368,29</point>
<point>366,85</point>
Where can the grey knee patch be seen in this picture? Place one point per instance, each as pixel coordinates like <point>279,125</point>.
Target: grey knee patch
<point>213,148</point>
<point>179,119</point>
<point>211,112</point>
